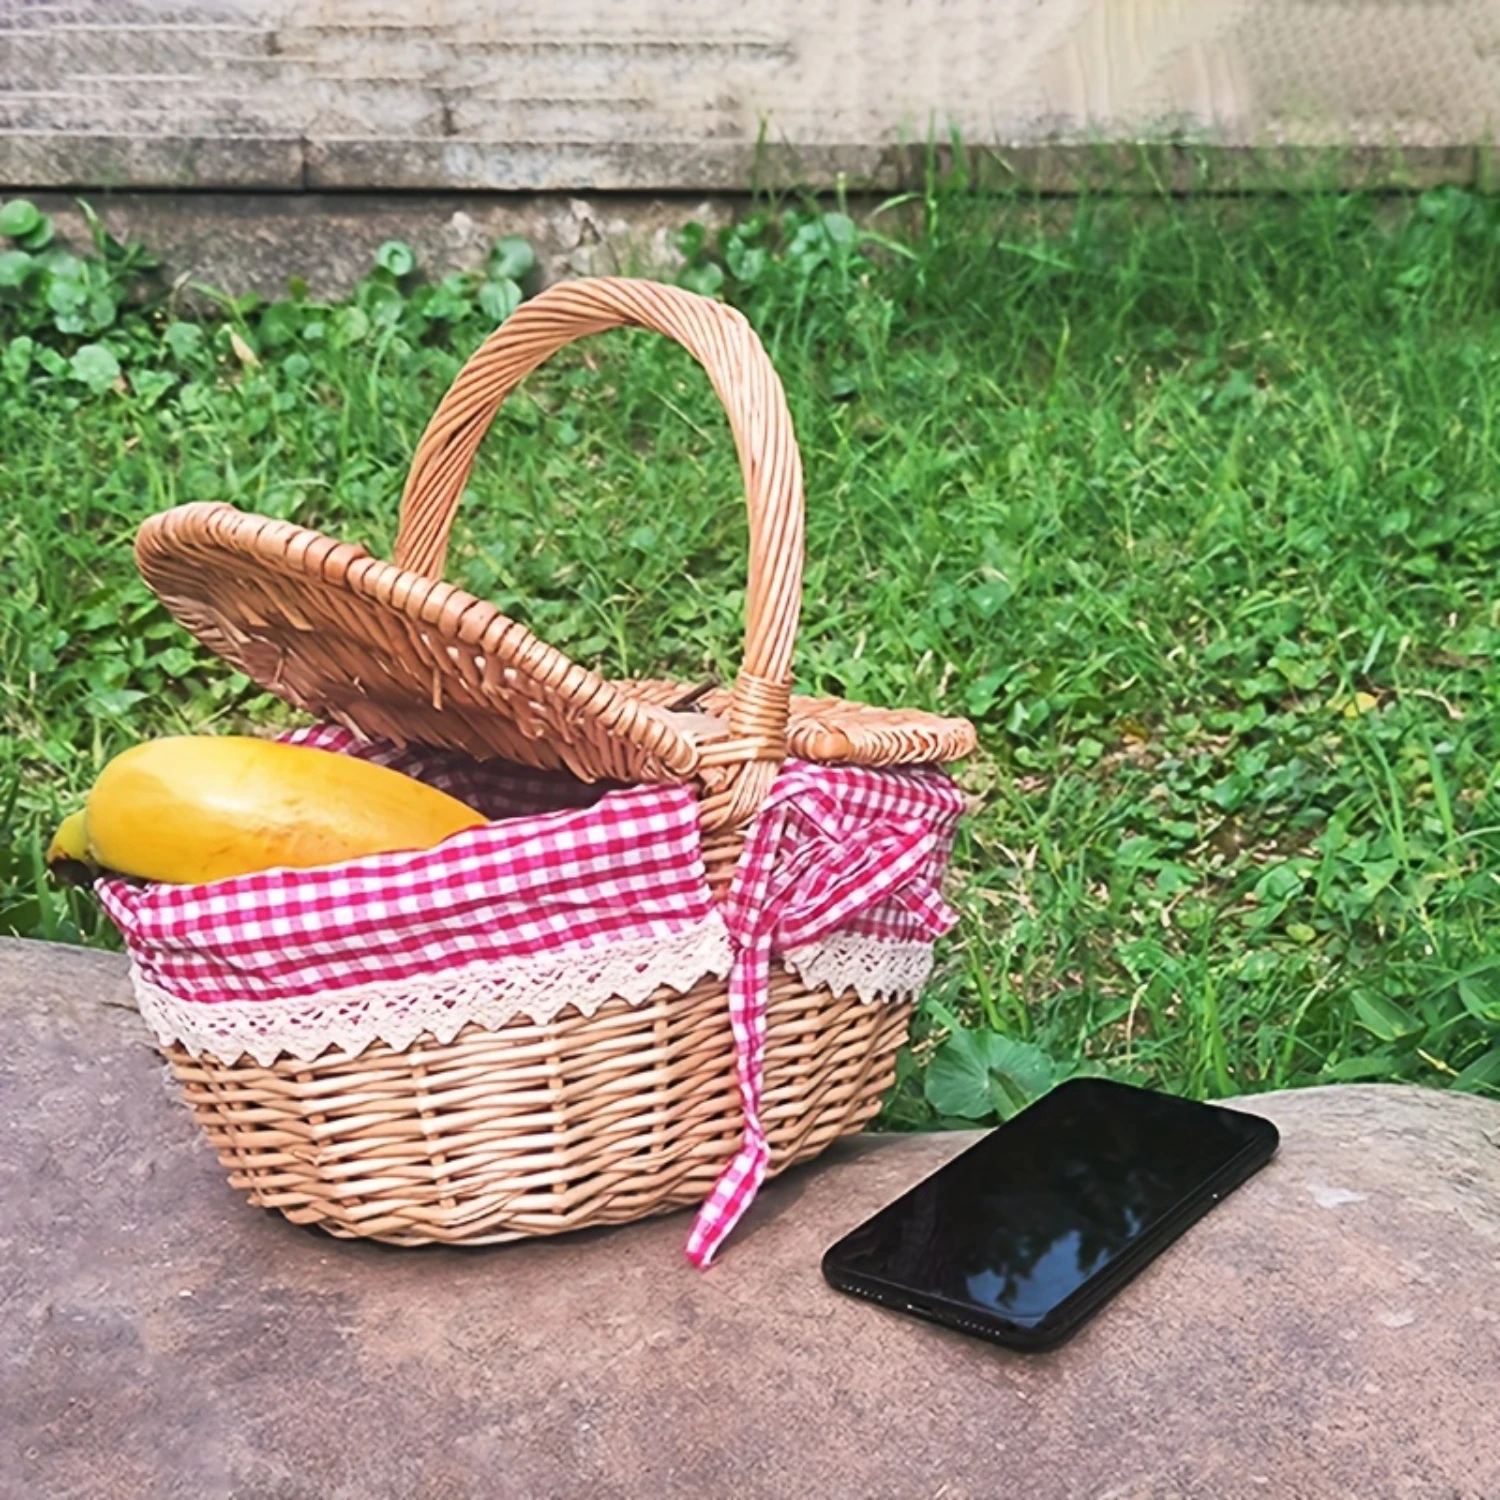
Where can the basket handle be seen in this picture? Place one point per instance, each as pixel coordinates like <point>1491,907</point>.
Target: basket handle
<point>721,340</point>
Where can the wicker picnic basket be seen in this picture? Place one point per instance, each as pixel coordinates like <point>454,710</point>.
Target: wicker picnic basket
<point>536,1128</point>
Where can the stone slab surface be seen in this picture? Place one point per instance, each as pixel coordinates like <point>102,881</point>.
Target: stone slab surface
<point>655,95</point>
<point>1331,1330</point>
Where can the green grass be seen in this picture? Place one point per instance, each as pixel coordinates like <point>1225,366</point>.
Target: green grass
<point>1193,506</point>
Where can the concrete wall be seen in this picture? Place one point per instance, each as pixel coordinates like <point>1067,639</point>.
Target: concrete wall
<point>659,95</point>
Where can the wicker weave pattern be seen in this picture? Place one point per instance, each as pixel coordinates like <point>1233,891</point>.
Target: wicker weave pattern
<point>538,1129</point>
<point>534,1129</point>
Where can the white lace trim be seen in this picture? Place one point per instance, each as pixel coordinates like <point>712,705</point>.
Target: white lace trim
<point>397,1012</point>
<point>871,967</point>
<point>491,995</point>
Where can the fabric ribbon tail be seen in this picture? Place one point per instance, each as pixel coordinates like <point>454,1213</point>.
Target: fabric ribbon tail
<point>734,1192</point>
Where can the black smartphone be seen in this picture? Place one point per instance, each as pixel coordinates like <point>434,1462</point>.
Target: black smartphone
<point>1023,1236</point>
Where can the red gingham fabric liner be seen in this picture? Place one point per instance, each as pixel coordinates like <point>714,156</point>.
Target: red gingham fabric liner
<point>834,849</point>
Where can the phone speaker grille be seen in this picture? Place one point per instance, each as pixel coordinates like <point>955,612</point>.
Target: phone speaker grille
<point>941,1316</point>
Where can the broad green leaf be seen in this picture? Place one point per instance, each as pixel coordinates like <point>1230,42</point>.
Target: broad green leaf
<point>95,367</point>
<point>149,386</point>
<point>116,701</point>
<point>1258,964</point>
<point>66,297</point>
<point>16,357</point>
<point>39,236</point>
<point>1379,873</point>
<point>1351,1069</point>
<point>15,266</point>
<point>1384,1017</point>
<point>383,303</point>
<point>1482,1006</point>
<point>512,258</point>
<point>499,298</point>
<point>841,229</point>
<point>958,1079</point>
<point>183,339</point>
<point>747,262</point>
<point>977,1074</point>
<point>101,309</point>
<point>706,279</point>
<point>1018,1073</point>
<point>19,217</point>
<point>397,257</point>
<point>980,696</point>
<point>690,240</point>
<point>451,299</point>
<point>1279,882</point>
<point>1483,1072</point>
<point>350,326</point>
<point>64,265</point>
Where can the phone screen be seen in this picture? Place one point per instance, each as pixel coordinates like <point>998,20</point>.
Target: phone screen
<point>1053,1200</point>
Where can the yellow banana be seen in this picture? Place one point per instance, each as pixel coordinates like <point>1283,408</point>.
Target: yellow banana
<point>193,808</point>
<point>71,841</point>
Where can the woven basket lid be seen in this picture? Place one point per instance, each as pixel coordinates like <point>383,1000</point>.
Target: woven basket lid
<point>391,651</point>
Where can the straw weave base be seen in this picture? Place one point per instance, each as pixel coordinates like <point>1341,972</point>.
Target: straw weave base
<point>533,1130</point>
